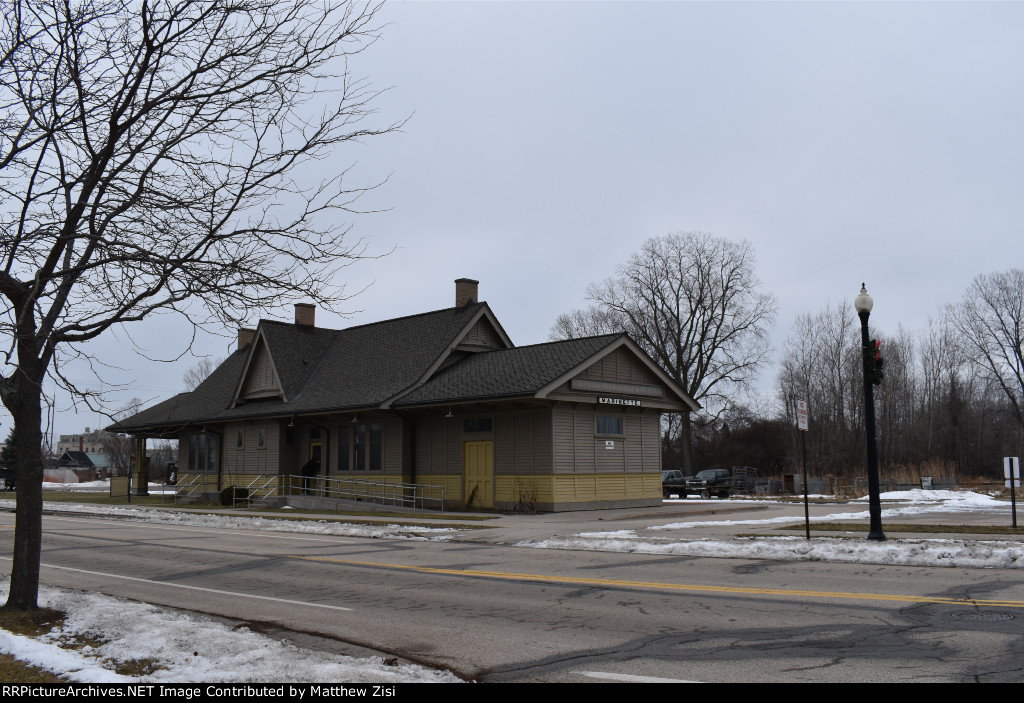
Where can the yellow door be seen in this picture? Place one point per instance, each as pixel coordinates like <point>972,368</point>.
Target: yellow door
<point>478,474</point>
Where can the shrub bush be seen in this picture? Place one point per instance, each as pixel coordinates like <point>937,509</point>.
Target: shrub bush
<point>234,494</point>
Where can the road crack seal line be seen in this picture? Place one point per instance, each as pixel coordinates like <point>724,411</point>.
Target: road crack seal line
<point>620,652</point>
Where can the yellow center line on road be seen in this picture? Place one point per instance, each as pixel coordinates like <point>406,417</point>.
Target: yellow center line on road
<point>510,576</point>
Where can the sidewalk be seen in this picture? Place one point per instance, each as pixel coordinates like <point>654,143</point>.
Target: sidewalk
<point>692,519</point>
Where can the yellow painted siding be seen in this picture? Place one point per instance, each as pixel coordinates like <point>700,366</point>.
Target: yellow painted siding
<point>452,485</point>
<point>511,489</point>
<point>576,489</point>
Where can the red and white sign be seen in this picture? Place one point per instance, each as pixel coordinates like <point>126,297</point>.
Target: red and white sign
<point>801,415</point>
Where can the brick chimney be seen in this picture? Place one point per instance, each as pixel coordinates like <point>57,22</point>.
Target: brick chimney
<point>465,291</point>
<point>245,337</point>
<point>305,314</point>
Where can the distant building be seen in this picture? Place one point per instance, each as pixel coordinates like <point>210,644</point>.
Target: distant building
<point>75,460</point>
<point>90,442</point>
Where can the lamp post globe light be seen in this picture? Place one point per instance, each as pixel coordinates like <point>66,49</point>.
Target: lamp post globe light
<point>863,304</point>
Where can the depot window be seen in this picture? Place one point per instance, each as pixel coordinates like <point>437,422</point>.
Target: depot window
<point>361,447</point>
<point>610,424</point>
<point>478,424</point>
<point>203,452</point>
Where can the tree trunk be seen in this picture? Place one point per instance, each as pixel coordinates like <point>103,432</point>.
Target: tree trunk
<point>28,527</point>
<point>685,443</point>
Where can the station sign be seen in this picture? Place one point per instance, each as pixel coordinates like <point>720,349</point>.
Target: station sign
<point>631,402</point>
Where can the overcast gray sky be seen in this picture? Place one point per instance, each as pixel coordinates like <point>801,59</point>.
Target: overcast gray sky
<point>847,141</point>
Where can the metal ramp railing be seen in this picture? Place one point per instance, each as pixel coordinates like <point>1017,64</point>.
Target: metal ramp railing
<point>265,486</point>
<point>258,489</point>
<point>198,483</point>
<point>407,495</point>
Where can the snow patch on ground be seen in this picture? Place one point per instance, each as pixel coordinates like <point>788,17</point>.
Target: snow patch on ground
<point>916,552</point>
<point>255,522</point>
<point>998,554</point>
<point>184,647</point>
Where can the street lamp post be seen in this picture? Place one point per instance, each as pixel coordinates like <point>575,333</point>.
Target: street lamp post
<point>863,304</point>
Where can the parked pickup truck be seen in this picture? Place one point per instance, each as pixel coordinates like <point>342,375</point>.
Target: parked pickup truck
<point>711,482</point>
<point>673,481</point>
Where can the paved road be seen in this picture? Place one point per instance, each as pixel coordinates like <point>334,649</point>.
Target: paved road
<point>494,612</point>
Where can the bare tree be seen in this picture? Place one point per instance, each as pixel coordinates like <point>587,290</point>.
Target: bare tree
<point>163,453</point>
<point>989,321</point>
<point>820,365</point>
<point>198,373</point>
<point>157,156</point>
<point>691,300</point>
<point>896,399</point>
<point>121,447</point>
<point>121,450</point>
<point>940,364</point>
<point>931,412</point>
<point>589,322</point>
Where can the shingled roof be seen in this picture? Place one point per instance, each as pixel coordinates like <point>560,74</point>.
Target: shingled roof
<point>405,362</point>
<point>521,371</point>
<point>321,370</point>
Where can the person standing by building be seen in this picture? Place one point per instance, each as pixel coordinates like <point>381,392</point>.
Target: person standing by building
<point>309,471</point>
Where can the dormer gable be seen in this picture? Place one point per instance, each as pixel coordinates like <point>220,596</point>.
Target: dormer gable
<point>483,335</point>
<point>259,379</point>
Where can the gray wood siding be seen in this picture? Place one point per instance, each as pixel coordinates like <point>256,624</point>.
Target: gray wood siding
<point>260,377</point>
<point>250,459</point>
<point>522,443</point>
<point>651,438</point>
<point>633,455</point>
<point>619,366</point>
<point>432,446</point>
<point>482,333</point>
<point>579,449</point>
<point>610,460</point>
<point>391,443</point>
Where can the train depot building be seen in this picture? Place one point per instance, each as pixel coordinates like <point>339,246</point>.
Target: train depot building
<point>443,401</point>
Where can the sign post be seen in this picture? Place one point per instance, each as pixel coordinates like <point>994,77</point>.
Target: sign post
<point>1011,472</point>
<point>801,423</point>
